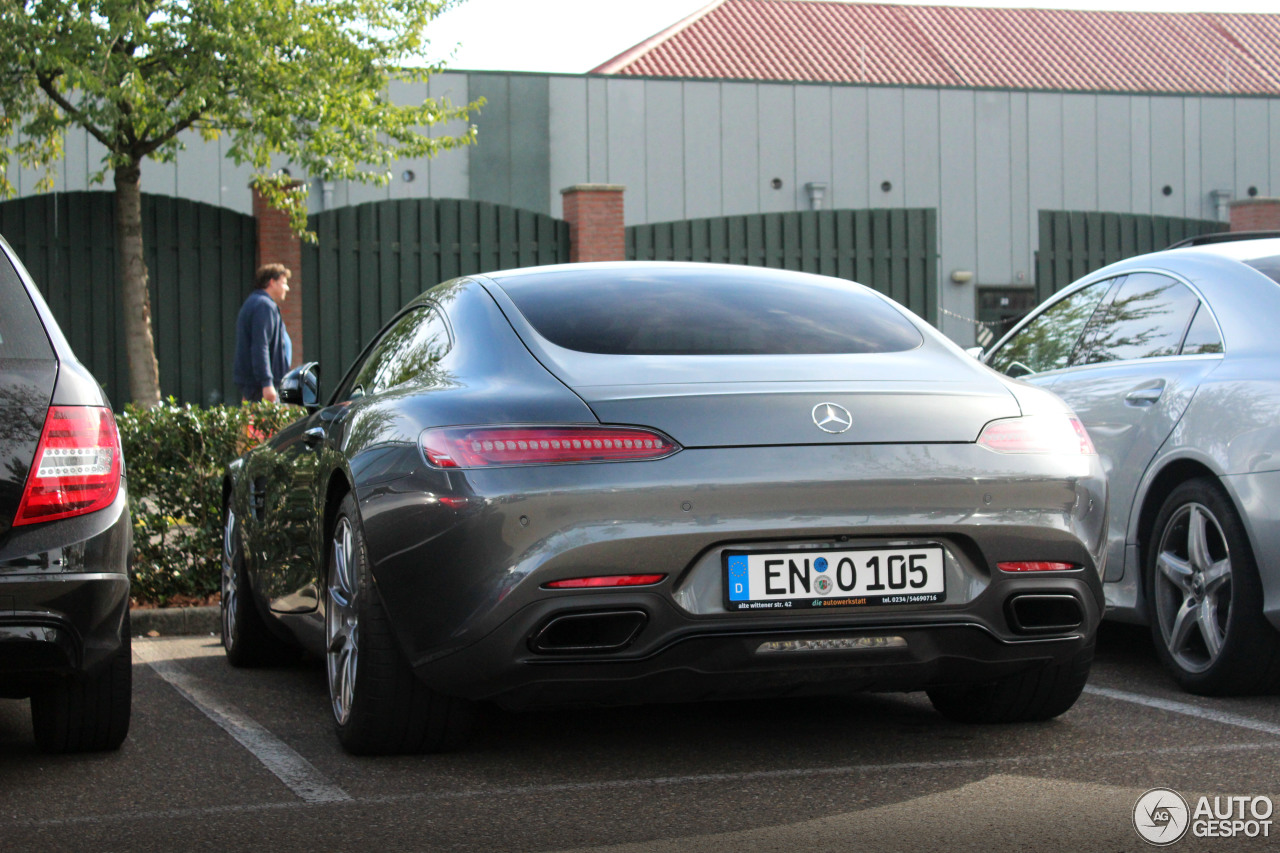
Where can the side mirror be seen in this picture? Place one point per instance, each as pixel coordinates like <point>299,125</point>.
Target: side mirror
<point>301,386</point>
<point>974,352</point>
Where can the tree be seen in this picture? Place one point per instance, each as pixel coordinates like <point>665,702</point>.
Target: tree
<point>297,82</point>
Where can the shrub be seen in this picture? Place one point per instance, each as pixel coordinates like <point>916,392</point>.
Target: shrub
<point>175,457</point>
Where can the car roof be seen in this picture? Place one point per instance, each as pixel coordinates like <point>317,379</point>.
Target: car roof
<point>1242,250</point>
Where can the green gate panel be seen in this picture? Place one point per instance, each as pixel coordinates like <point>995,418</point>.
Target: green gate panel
<point>1075,243</point>
<point>200,262</point>
<point>893,251</point>
<point>370,259</point>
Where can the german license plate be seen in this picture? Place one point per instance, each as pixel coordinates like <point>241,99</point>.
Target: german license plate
<point>836,578</point>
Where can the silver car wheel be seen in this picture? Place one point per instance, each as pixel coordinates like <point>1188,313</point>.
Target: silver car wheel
<point>230,580</point>
<point>1192,592</point>
<point>342,622</point>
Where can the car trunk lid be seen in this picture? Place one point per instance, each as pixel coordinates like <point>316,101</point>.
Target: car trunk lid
<point>912,397</point>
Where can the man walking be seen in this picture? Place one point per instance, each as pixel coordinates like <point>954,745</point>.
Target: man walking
<point>263,348</point>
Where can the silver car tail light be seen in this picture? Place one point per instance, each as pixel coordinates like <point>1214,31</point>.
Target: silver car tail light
<point>1051,434</point>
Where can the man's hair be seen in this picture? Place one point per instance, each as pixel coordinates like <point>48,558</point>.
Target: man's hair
<point>266,272</point>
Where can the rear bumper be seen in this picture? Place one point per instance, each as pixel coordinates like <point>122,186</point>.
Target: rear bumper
<point>461,559</point>
<point>673,657</point>
<point>61,623</point>
<point>63,608</point>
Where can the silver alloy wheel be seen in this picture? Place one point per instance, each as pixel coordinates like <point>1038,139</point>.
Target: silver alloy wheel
<point>1193,587</point>
<point>230,580</point>
<point>342,622</point>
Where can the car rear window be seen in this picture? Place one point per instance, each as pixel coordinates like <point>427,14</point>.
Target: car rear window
<point>1270,267</point>
<point>21,333</point>
<point>711,312</point>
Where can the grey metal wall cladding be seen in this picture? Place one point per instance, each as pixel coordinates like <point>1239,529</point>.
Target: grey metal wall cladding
<point>893,251</point>
<point>1074,243</point>
<point>200,261</point>
<point>369,260</point>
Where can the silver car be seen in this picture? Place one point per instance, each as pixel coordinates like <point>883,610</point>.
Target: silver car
<point>609,483</point>
<point>1172,360</point>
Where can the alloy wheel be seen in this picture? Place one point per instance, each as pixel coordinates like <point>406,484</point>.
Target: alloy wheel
<point>1192,592</point>
<point>230,579</point>
<point>342,622</point>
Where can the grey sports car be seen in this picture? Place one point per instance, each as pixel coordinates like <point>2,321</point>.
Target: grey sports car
<point>620,483</point>
<point>1172,360</point>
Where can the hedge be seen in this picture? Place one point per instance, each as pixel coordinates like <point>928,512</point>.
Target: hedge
<point>175,457</point>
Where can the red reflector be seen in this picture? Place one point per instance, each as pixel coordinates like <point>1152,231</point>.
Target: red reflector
<point>481,447</point>
<point>605,580</point>
<point>76,469</point>
<point>1036,566</point>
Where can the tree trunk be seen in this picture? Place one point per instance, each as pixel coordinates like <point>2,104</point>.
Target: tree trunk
<point>144,372</point>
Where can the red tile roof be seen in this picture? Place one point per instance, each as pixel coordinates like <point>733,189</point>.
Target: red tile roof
<point>814,40</point>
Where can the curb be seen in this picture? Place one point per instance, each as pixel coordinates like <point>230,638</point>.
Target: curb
<point>173,621</point>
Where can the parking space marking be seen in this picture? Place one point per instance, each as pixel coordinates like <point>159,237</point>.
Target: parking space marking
<point>537,790</point>
<point>1185,708</point>
<point>298,774</point>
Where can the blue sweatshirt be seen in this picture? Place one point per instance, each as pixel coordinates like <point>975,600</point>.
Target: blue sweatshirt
<point>263,348</point>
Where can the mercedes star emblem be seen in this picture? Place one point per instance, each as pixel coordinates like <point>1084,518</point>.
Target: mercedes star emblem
<point>832,418</point>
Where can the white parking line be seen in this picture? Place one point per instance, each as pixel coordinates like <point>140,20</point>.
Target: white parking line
<point>1185,708</point>
<point>292,769</point>
<point>489,795</point>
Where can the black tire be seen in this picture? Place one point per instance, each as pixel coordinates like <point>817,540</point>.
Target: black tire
<point>379,706</point>
<point>1039,694</point>
<point>246,638</point>
<point>1204,596</point>
<point>87,712</point>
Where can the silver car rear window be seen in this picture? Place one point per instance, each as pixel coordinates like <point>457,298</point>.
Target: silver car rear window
<point>1270,267</point>
<point>709,313</point>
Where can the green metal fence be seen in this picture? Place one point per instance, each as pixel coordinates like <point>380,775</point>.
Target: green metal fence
<point>1074,244</point>
<point>371,259</point>
<point>893,251</point>
<point>200,261</point>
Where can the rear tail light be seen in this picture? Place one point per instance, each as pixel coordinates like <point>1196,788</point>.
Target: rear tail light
<point>604,581</point>
<point>1036,566</point>
<point>1061,434</point>
<point>76,468</point>
<point>483,447</point>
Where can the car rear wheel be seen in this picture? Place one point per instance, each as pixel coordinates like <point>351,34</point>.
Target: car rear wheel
<point>379,706</point>
<point>1039,694</point>
<point>87,712</point>
<point>1206,597</point>
<point>246,638</point>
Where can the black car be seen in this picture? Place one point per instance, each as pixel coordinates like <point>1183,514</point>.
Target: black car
<point>620,483</point>
<point>65,532</point>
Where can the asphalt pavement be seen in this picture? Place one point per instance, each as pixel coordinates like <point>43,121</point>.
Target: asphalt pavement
<point>226,759</point>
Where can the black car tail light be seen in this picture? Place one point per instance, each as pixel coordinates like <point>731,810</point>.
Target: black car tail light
<point>76,469</point>
<point>483,447</point>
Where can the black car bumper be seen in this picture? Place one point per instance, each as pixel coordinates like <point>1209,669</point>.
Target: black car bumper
<point>63,608</point>
<point>673,658</point>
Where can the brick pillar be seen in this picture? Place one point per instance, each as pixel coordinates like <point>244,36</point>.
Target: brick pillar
<point>596,229</point>
<point>1255,214</point>
<point>277,244</point>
